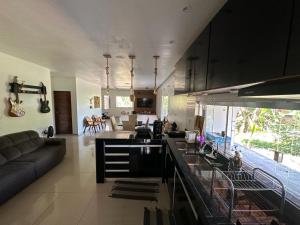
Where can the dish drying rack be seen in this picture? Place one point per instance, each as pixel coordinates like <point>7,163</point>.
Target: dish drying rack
<point>225,186</point>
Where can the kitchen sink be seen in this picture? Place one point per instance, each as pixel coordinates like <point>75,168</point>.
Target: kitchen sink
<point>189,149</point>
<point>192,157</point>
<point>181,145</point>
<point>196,160</point>
<point>202,161</point>
<point>213,163</point>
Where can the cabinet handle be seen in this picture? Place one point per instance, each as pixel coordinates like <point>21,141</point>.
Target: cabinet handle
<point>117,171</point>
<point>132,146</point>
<point>116,154</point>
<point>117,162</point>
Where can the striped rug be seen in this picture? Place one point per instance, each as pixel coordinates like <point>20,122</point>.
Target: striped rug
<point>136,189</point>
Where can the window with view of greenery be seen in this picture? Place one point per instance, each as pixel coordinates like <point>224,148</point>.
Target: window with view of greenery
<point>264,130</point>
<point>271,129</point>
<point>123,102</point>
<point>266,138</point>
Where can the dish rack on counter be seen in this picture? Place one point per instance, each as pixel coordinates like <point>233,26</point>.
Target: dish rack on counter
<point>243,194</point>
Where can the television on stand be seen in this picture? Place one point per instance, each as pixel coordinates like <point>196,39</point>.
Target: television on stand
<point>144,102</point>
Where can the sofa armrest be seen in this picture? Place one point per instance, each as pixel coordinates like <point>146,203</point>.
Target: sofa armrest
<point>55,141</point>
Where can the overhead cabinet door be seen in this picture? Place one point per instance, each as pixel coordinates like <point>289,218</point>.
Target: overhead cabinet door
<point>182,80</point>
<point>200,61</point>
<point>248,42</point>
<point>293,63</point>
<point>191,70</point>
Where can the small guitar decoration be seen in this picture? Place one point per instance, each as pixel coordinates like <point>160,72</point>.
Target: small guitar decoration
<point>15,105</point>
<point>44,103</point>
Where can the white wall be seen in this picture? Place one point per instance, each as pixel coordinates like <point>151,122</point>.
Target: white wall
<point>81,93</point>
<point>113,109</point>
<point>182,111</point>
<point>84,92</point>
<point>167,89</point>
<point>62,83</point>
<point>32,74</point>
<point>181,107</point>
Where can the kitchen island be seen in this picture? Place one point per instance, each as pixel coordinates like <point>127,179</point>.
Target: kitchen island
<point>124,155</point>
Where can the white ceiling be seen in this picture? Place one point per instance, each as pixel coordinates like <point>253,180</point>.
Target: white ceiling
<point>70,36</point>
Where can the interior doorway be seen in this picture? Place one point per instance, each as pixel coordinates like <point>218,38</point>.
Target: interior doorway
<point>63,112</point>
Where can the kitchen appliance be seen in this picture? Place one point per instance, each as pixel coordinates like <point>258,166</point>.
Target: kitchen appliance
<point>157,129</point>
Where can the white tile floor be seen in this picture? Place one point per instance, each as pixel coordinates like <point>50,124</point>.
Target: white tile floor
<point>69,195</point>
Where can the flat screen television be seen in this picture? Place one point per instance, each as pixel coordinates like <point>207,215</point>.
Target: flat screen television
<point>144,102</point>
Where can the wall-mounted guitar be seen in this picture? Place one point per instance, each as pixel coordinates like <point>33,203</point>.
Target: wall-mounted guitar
<point>15,109</point>
<point>44,103</point>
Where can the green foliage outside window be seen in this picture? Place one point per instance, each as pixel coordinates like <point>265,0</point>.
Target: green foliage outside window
<point>283,125</point>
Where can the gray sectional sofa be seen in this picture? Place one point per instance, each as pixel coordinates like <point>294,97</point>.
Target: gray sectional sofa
<point>24,157</point>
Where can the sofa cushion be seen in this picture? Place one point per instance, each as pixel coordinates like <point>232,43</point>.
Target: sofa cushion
<point>14,177</point>
<point>14,145</point>
<point>26,141</point>
<point>23,136</point>
<point>3,160</point>
<point>30,145</point>
<point>7,149</point>
<point>44,158</point>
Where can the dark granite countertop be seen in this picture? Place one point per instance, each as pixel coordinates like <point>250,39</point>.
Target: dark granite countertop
<point>197,173</point>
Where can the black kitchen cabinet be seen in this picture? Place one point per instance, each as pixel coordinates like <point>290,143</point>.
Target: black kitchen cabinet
<point>200,60</point>
<point>182,80</point>
<point>169,173</point>
<point>248,42</point>
<point>129,158</point>
<point>191,70</point>
<point>293,65</point>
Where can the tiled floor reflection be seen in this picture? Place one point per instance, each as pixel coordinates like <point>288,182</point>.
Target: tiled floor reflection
<point>69,195</point>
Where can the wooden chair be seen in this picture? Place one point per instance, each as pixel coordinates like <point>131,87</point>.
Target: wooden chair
<point>132,118</point>
<point>147,123</point>
<point>97,122</point>
<point>103,123</point>
<point>129,125</point>
<point>89,123</point>
<point>113,123</point>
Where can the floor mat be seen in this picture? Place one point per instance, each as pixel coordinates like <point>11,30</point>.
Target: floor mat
<point>156,217</point>
<point>134,182</point>
<point>135,190</point>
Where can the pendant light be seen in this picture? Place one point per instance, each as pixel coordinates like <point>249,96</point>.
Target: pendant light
<point>155,73</point>
<point>132,97</point>
<point>107,56</point>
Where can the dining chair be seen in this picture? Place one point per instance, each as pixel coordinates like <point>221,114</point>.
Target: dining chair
<point>113,123</point>
<point>129,125</point>
<point>89,123</point>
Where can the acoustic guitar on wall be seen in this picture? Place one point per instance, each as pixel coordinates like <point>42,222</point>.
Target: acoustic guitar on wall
<point>44,103</point>
<point>15,109</point>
